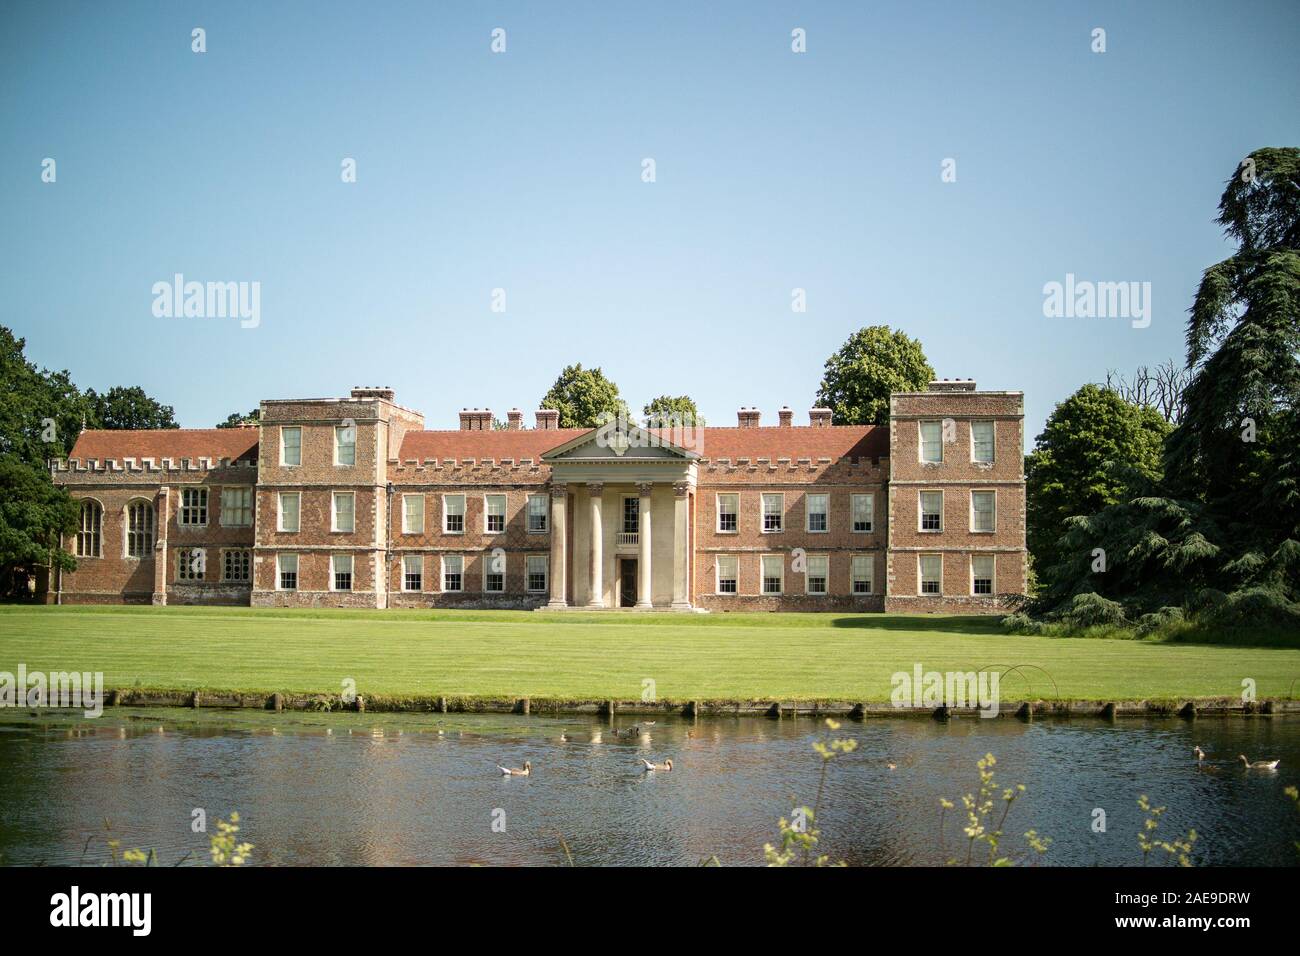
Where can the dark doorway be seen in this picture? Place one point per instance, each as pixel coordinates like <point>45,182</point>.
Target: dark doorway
<point>627,582</point>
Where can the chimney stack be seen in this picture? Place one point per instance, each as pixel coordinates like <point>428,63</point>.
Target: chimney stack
<point>953,385</point>
<point>548,419</point>
<point>476,419</point>
<point>819,417</point>
<point>748,417</point>
<point>515,419</point>
<point>786,416</point>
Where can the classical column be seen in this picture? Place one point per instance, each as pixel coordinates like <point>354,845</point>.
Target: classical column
<point>559,493</point>
<point>644,589</point>
<point>681,521</point>
<point>596,597</point>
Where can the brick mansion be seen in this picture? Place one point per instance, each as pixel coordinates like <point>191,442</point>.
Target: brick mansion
<point>351,502</point>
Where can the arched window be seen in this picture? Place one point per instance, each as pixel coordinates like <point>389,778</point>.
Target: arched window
<point>139,529</point>
<point>92,523</point>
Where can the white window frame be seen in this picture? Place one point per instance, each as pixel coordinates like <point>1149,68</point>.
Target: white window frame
<point>993,442</point>
<point>279,511</point>
<point>762,575</point>
<point>921,512</point>
<point>808,575</point>
<point>920,574</point>
<point>280,571</point>
<point>853,513</point>
<point>442,580</point>
<point>505,507</point>
<point>921,442</point>
<point>718,576</point>
<point>340,445</point>
<point>334,511</point>
<point>762,512</point>
<point>735,512</point>
<point>993,571</point>
<point>993,512</point>
<point>351,572</point>
<point>246,494</point>
<point>825,513</point>
<point>247,563</point>
<point>446,514</point>
<point>855,562</point>
<point>284,459</point>
<point>634,513</point>
<point>408,527</point>
<point>419,570</point>
<point>544,513</point>
<point>487,569</point>
<point>528,573</point>
<point>186,513</point>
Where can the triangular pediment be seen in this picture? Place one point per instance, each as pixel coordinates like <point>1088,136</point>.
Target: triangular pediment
<point>622,440</point>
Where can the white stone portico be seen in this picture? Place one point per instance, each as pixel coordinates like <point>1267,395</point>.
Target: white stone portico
<point>622,505</point>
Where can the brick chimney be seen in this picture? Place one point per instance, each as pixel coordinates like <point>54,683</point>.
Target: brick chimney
<point>748,417</point>
<point>373,391</point>
<point>785,414</point>
<point>476,419</point>
<point>952,385</point>
<point>819,417</point>
<point>514,419</point>
<point>548,418</point>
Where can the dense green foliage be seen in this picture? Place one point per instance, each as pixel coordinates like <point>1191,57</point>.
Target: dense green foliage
<point>582,395</point>
<point>1216,536</point>
<point>858,378</point>
<point>1072,470</point>
<point>235,419</point>
<point>672,410</point>
<point>124,407</point>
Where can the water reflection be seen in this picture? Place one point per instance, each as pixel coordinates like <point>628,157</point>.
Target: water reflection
<point>399,790</point>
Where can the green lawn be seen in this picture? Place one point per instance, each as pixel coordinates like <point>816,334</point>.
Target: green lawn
<point>518,654</point>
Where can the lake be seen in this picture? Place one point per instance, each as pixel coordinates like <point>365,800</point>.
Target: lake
<point>389,789</point>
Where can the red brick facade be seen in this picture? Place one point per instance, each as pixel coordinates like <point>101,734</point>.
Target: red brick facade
<point>351,503</point>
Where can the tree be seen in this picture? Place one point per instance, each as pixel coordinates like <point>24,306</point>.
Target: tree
<point>1218,535</point>
<point>873,362</point>
<point>1161,388</point>
<point>235,420</point>
<point>128,408</point>
<point>42,411</point>
<point>1072,470</point>
<point>679,410</point>
<point>581,395</point>
<point>35,514</point>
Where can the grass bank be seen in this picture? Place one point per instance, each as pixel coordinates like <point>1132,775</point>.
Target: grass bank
<point>578,655</point>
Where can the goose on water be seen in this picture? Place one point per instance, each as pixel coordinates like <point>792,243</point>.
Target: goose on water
<point>665,766</point>
<point>515,771</point>
<point>1259,764</point>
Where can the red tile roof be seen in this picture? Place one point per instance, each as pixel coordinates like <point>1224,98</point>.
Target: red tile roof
<point>194,443</point>
<point>836,441</point>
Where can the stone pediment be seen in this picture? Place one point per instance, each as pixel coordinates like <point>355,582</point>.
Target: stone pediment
<point>620,440</point>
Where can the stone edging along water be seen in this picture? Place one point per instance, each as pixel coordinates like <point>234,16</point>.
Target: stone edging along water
<point>1164,707</point>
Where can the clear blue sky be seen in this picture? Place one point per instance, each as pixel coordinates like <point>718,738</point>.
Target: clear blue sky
<point>523,171</point>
